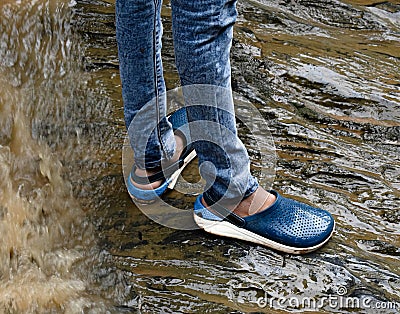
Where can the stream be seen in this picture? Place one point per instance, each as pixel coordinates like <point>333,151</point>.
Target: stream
<point>323,74</point>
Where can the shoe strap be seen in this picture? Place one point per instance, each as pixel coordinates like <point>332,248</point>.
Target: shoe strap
<point>229,215</point>
<point>146,180</point>
<point>164,172</point>
<point>235,219</point>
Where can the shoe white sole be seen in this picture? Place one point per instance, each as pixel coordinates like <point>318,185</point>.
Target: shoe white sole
<point>227,229</point>
<point>176,174</point>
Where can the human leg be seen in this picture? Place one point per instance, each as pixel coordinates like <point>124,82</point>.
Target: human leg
<point>202,38</point>
<point>139,32</point>
<point>203,32</point>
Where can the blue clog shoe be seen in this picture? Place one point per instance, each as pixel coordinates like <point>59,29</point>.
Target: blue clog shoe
<point>169,175</point>
<point>287,225</point>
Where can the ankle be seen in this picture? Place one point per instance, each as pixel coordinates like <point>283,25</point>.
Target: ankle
<point>146,173</point>
<point>256,202</point>
<point>179,147</point>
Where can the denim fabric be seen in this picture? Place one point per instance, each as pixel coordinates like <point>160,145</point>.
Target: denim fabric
<point>202,33</point>
<point>139,31</point>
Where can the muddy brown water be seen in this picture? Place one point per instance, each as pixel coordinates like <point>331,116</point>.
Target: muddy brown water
<point>324,74</point>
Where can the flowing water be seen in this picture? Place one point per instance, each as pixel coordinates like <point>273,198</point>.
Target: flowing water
<point>324,74</point>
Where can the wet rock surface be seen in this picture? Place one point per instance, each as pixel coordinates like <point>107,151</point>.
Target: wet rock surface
<point>325,77</point>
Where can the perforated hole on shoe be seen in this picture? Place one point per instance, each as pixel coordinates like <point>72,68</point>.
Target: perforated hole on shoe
<point>301,220</point>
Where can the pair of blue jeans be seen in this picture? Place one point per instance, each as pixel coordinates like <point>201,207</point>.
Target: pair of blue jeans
<point>202,34</point>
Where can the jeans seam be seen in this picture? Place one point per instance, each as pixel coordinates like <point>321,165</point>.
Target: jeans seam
<point>156,75</point>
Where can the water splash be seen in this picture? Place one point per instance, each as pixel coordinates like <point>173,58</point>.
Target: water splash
<point>43,226</point>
